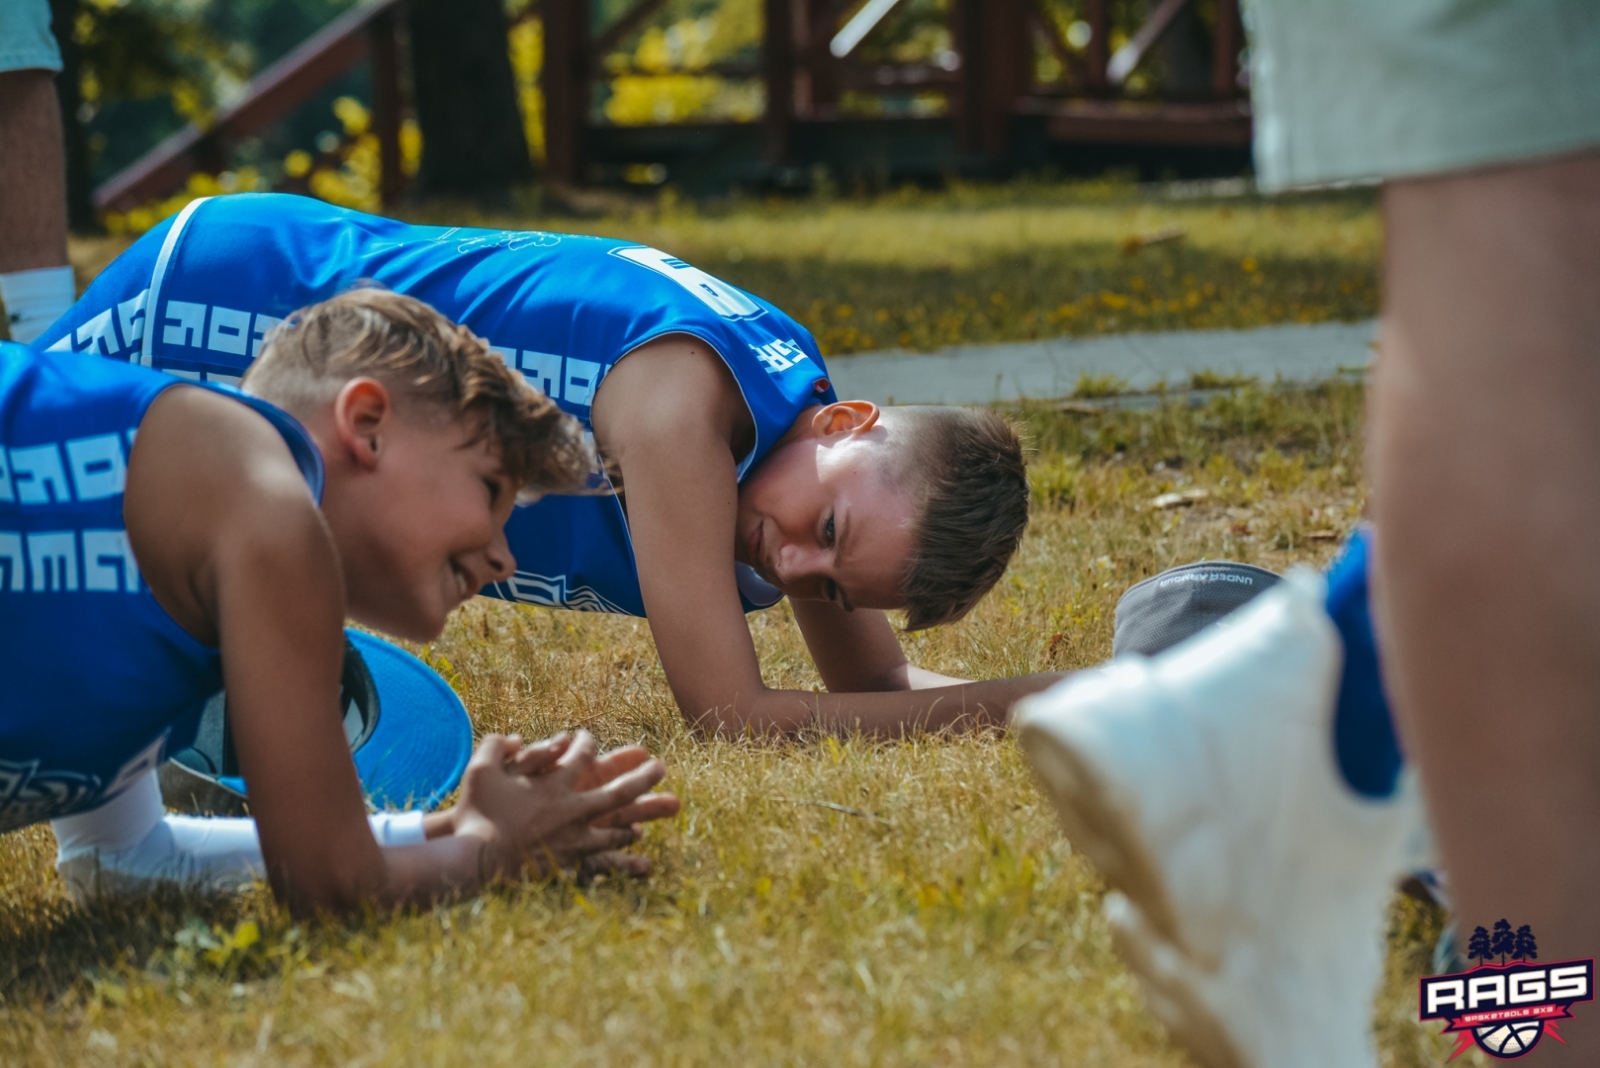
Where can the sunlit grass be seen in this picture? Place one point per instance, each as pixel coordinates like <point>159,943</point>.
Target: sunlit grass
<point>920,270</point>
<point>817,903</point>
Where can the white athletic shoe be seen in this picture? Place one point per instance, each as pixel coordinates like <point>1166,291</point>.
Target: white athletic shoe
<point>1251,884</point>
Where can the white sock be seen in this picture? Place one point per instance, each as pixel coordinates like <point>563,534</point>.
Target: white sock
<point>35,299</point>
<point>130,845</point>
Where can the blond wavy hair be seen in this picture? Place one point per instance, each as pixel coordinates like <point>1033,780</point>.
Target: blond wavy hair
<point>424,359</point>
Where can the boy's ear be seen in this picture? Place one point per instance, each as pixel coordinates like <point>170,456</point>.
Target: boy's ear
<point>844,416</point>
<point>362,412</point>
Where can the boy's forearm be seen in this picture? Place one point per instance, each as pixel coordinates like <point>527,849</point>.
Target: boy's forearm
<point>889,714</point>
<point>403,875</point>
<point>439,868</point>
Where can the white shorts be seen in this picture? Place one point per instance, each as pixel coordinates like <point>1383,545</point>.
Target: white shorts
<point>26,42</point>
<point>1361,89</point>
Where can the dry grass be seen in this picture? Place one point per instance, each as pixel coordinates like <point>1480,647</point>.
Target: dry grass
<point>943,919</point>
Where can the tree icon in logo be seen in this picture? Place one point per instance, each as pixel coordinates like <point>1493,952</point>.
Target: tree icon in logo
<point>1502,943</point>
<point>1478,945</point>
<point>1526,947</point>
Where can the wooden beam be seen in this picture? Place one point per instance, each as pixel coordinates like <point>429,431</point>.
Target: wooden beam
<point>1129,55</point>
<point>777,60</point>
<point>966,33</point>
<point>1098,52</point>
<point>1009,64</point>
<point>564,78</point>
<point>1228,39</point>
<point>819,71</point>
<point>384,43</point>
<point>1219,124</point>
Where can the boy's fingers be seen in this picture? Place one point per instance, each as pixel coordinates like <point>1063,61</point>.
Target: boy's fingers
<point>621,791</point>
<point>629,864</point>
<point>614,763</point>
<point>579,758</point>
<point>647,808</point>
<point>492,751</point>
<point>540,757</point>
<point>609,765</point>
<point>605,839</point>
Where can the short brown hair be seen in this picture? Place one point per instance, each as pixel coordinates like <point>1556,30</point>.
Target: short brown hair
<point>424,358</point>
<point>966,470</point>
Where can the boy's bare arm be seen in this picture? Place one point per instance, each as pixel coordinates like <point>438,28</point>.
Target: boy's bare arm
<point>665,416</point>
<point>232,545</point>
<point>859,652</point>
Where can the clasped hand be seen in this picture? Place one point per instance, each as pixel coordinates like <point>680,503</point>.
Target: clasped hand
<point>559,805</point>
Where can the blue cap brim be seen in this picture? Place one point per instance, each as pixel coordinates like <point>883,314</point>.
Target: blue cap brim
<point>418,749</point>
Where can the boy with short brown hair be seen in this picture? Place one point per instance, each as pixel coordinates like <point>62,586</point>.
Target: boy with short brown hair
<point>742,478</point>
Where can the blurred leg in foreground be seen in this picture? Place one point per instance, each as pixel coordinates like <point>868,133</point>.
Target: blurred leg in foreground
<point>1485,473</point>
<point>35,282</point>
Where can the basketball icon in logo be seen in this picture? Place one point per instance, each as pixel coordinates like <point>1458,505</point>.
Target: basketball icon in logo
<point>1506,1005</point>
<point>1508,1040</point>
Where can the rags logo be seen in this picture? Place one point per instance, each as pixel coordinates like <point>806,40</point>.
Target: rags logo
<point>1507,1005</point>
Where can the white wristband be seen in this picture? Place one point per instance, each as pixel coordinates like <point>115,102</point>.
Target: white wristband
<point>130,845</point>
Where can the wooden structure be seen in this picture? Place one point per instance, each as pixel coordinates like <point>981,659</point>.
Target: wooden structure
<point>997,117</point>
<point>988,83</point>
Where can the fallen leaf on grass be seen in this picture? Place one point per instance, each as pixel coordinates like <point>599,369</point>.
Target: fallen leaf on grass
<point>1180,499</point>
<point>832,807</point>
<point>1134,242</point>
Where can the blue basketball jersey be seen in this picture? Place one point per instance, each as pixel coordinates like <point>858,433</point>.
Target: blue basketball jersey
<point>100,682</point>
<point>197,295</point>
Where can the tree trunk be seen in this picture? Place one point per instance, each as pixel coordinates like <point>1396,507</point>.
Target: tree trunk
<point>473,143</point>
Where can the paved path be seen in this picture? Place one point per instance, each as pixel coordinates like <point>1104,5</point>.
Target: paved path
<point>974,374</point>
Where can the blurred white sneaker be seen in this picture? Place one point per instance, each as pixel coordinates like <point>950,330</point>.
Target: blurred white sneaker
<point>1250,883</point>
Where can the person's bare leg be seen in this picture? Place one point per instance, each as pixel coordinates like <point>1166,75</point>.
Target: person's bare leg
<point>1485,475</point>
<point>33,176</point>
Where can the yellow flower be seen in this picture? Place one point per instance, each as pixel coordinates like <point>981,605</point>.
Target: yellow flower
<point>353,114</point>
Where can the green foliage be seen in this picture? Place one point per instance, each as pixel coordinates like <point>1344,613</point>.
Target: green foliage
<point>150,66</point>
<point>1090,386</point>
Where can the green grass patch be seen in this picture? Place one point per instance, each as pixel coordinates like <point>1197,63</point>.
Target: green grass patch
<point>943,919</point>
<point>972,264</point>
<point>977,264</point>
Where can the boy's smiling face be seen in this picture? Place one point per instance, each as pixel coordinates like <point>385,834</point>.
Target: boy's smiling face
<point>821,517</point>
<point>417,503</point>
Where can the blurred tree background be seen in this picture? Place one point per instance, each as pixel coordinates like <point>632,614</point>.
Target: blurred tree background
<point>146,68</point>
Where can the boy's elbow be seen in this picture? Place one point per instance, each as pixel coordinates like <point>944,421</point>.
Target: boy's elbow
<point>770,713</point>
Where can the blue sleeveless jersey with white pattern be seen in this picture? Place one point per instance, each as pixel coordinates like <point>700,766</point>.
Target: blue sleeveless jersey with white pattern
<point>99,681</point>
<point>197,295</point>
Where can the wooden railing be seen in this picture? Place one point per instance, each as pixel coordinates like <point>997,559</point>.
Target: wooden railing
<point>987,83</point>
